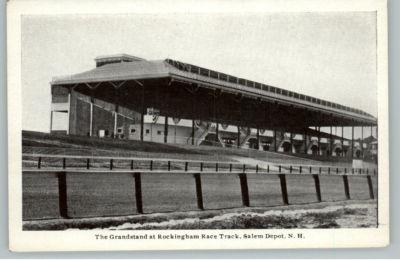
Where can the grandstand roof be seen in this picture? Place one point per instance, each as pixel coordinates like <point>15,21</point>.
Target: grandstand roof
<point>142,69</point>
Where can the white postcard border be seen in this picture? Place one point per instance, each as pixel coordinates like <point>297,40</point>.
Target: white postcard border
<point>86,240</point>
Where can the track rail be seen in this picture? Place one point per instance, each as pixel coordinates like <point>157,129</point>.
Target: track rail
<point>185,166</point>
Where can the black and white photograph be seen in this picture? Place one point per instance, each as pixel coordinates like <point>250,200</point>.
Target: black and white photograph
<point>246,126</point>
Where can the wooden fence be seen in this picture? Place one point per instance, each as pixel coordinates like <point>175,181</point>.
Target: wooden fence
<point>194,167</point>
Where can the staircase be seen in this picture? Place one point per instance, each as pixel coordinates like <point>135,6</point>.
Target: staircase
<point>246,136</point>
<point>201,134</point>
<point>202,129</point>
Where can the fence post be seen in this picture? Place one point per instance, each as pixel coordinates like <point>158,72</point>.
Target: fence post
<point>88,164</point>
<point>201,166</point>
<point>317,187</point>
<point>169,165</point>
<point>138,192</point>
<point>245,189</point>
<point>64,163</point>
<point>186,166</point>
<point>216,167</point>
<point>62,194</point>
<point>199,192</point>
<point>285,198</point>
<point>151,165</point>
<point>131,164</point>
<point>346,187</point>
<point>111,164</point>
<point>371,188</point>
<point>230,167</point>
<point>39,162</point>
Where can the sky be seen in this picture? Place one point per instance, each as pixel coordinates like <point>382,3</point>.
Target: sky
<point>326,55</point>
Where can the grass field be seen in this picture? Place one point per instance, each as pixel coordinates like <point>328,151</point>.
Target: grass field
<point>101,194</point>
<point>41,143</point>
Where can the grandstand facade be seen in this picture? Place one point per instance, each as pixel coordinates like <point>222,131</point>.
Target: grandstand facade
<point>173,102</point>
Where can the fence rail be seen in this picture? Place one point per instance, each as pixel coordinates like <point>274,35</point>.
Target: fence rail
<point>199,165</point>
<point>202,167</point>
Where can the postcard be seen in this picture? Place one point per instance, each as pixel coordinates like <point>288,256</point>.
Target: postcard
<point>165,125</point>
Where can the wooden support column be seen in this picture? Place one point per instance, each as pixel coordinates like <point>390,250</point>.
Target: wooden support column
<point>370,187</point>
<point>319,140</point>
<point>285,198</point>
<point>275,140</point>
<point>51,121</point>
<point>240,122</point>
<point>216,117</point>
<point>199,192</point>
<point>138,192</point>
<point>116,108</point>
<point>238,137</point>
<point>362,141</point>
<point>352,141</point>
<point>193,115</point>
<point>258,138</point>
<point>317,187</point>
<point>91,117</point>
<point>62,194</point>
<point>342,142</point>
<point>193,132</point>
<point>346,187</point>
<point>330,141</point>
<point>244,189</point>
<point>305,141</point>
<point>166,129</point>
<point>291,142</point>
<point>143,112</point>
<point>141,126</point>
<point>115,120</point>
<point>267,117</point>
<point>69,112</point>
<point>217,132</point>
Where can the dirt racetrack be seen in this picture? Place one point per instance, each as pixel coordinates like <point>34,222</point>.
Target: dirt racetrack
<point>343,214</point>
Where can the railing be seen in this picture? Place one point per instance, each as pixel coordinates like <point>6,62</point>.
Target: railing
<point>248,83</point>
<point>195,167</point>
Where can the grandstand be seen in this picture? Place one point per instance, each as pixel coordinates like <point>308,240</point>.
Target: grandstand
<point>167,101</point>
